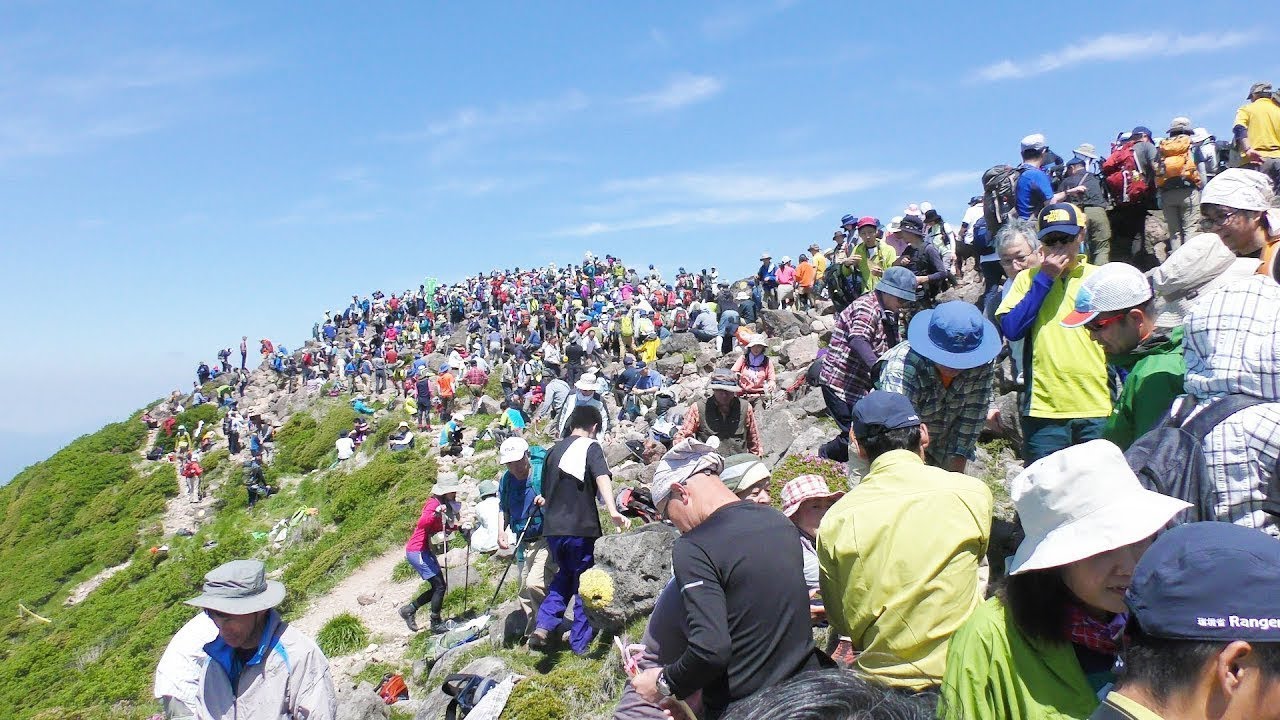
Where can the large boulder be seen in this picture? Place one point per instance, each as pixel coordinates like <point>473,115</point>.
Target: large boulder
<point>634,566</point>
<point>678,344</point>
<point>361,702</point>
<point>706,361</point>
<point>811,403</point>
<point>1007,420</point>
<point>784,324</point>
<point>489,406</point>
<point>800,352</point>
<point>671,366</point>
<point>809,440</point>
<point>778,430</point>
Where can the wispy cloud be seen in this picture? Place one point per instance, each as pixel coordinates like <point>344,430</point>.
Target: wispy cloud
<point>683,90</point>
<point>472,119</point>
<point>1115,47</point>
<point>737,18</point>
<point>951,179</point>
<point>787,212</point>
<point>58,107</point>
<point>731,187</point>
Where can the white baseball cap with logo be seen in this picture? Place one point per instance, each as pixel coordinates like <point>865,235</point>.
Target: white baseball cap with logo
<point>1114,286</point>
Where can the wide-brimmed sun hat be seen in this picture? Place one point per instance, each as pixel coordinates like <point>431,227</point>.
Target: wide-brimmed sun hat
<point>1083,501</point>
<point>239,587</point>
<point>742,471</point>
<point>586,383</point>
<point>446,483</point>
<point>954,335</point>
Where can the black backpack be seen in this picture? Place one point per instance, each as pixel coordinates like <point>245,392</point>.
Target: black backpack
<point>1169,458</point>
<point>466,690</point>
<point>999,195</point>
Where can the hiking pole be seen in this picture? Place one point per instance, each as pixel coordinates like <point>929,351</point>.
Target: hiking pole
<point>514,549</point>
<point>466,583</point>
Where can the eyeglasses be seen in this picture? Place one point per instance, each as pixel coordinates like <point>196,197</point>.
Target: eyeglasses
<point>1209,221</point>
<point>1058,238</point>
<point>1100,325</point>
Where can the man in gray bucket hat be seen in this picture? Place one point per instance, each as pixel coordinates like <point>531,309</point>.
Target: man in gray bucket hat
<point>259,666</point>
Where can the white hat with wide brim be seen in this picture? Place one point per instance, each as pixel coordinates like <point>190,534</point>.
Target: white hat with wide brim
<point>239,587</point>
<point>1083,501</point>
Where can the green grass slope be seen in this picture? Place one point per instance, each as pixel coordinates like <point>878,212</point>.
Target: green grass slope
<point>87,508</point>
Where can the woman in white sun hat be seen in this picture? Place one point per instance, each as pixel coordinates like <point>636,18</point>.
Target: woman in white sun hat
<point>1046,645</point>
<point>756,373</point>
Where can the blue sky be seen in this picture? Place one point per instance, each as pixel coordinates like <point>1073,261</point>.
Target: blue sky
<point>178,174</point>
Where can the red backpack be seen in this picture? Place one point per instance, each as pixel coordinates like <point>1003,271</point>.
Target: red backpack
<point>681,320</point>
<point>1123,178</point>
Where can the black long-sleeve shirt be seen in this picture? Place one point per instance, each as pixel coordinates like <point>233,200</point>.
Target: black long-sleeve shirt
<point>741,578</point>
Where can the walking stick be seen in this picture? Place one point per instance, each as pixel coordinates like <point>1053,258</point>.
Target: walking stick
<point>515,549</point>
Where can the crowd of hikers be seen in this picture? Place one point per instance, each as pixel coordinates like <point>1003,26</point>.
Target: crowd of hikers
<point>1138,578</point>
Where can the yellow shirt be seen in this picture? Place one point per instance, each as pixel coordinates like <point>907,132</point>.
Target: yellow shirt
<point>1068,369</point>
<point>1262,119</point>
<point>1135,709</point>
<point>884,257</point>
<point>898,558</point>
<point>820,263</point>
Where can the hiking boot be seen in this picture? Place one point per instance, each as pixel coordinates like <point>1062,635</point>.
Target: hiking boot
<point>440,627</point>
<point>407,612</point>
<point>538,640</point>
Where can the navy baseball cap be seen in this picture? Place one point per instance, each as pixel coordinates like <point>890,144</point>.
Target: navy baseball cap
<point>1060,218</point>
<point>879,411</point>
<point>1211,581</point>
<point>1141,130</point>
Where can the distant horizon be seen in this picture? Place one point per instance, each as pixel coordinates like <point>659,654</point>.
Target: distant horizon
<point>177,176</point>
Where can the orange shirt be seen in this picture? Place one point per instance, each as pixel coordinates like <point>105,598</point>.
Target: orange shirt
<point>806,274</point>
<point>445,384</point>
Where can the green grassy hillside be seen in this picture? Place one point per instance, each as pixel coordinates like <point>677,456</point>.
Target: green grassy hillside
<point>88,508</point>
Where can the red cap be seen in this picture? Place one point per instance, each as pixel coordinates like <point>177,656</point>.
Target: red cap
<point>867,220</point>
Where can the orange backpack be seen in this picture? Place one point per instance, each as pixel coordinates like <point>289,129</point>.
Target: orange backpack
<point>1176,161</point>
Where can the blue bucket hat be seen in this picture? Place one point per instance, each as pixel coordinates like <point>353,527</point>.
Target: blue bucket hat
<point>954,335</point>
<point>898,282</point>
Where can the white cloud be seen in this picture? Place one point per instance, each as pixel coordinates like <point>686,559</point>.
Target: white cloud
<point>737,18</point>
<point>683,90</point>
<point>787,212</point>
<point>469,119</point>
<point>1115,47</point>
<point>952,178</point>
<point>728,187</point>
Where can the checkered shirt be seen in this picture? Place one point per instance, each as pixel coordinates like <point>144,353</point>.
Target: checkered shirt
<point>954,415</point>
<point>842,370</point>
<point>1232,345</point>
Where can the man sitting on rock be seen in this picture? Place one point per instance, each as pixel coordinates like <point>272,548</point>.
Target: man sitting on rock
<point>741,582</point>
<point>946,370</point>
<point>724,416</point>
<point>899,553</point>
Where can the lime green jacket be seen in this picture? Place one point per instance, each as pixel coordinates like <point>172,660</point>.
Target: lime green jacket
<point>994,671</point>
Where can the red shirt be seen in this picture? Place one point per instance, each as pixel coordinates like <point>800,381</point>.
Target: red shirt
<point>429,524</point>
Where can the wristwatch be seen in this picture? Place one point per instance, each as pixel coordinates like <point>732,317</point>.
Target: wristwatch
<point>663,688</point>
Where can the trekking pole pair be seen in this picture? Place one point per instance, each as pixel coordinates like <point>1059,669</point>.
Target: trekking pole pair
<point>515,549</point>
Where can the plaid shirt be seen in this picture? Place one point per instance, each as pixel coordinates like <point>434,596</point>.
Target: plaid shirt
<point>1231,346</point>
<point>843,372</point>
<point>954,415</point>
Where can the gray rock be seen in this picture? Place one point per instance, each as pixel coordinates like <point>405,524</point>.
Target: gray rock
<point>615,451</point>
<point>1009,421</point>
<point>706,361</point>
<point>778,430</point>
<point>811,403</point>
<point>361,703</point>
<point>671,366</point>
<point>783,323</point>
<point>489,406</point>
<point>507,626</point>
<point>639,563</point>
<point>435,360</point>
<point>678,344</point>
<point>434,704</point>
<point>800,352</point>
<point>812,438</point>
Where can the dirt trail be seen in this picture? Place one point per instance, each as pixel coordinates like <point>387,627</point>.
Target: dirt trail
<point>372,582</point>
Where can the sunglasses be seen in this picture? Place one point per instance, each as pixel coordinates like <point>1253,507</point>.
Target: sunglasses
<point>1100,325</point>
<point>1058,238</point>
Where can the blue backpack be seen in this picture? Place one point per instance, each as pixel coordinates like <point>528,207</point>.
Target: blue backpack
<point>532,523</point>
<point>983,242</point>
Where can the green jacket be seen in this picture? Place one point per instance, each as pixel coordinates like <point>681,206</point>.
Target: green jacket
<point>994,671</point>
<point>1156,369</point>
